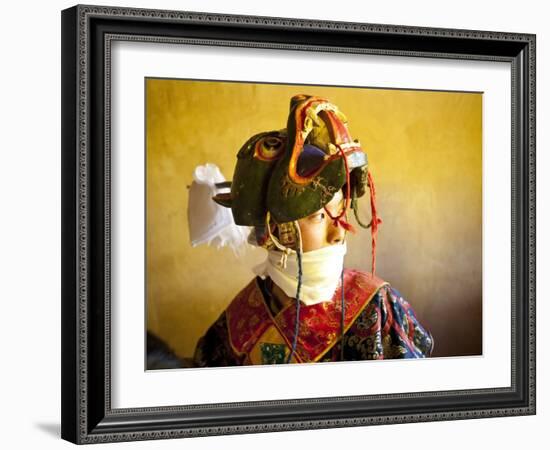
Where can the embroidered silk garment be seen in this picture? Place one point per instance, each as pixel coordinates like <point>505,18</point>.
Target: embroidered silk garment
<point>378,324</point>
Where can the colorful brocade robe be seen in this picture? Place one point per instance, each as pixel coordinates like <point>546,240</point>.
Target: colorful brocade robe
<point>378,324</point>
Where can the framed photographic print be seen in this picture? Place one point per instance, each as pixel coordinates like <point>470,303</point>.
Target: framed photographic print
<point>282,224</point>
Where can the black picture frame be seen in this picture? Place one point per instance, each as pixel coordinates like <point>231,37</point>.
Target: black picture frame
<point>87,33</point>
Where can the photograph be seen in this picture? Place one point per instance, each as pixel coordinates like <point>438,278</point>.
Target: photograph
<point>292,223</point>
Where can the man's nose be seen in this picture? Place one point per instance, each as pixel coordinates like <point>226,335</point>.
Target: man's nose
<point>336,233</point>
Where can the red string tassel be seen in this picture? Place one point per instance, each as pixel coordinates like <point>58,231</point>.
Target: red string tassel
<point>375,219</point>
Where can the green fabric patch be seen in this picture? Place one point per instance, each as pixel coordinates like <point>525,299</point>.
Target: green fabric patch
<point>273,353</point>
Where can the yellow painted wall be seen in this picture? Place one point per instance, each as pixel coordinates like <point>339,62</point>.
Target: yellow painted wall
<point>425,154</point>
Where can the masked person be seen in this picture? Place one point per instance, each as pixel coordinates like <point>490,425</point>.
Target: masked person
<point>296,188</point>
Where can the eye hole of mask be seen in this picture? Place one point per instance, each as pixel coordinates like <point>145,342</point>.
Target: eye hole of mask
<point>269,148</point>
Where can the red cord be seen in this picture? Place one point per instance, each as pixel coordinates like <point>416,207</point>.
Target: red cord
<point>338,221</point>
<point>375,219</point>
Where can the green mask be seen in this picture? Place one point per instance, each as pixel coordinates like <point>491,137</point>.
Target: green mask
<point>296,171</point>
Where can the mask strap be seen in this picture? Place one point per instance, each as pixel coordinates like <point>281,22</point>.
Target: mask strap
<point>355,207</point>
<point>287,251</point>
<point>298,289</point>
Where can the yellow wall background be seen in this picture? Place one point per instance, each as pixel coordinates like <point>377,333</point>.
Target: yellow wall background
<point>425,154</point>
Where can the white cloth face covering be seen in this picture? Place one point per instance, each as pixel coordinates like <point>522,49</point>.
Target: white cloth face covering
<point>321,271</point>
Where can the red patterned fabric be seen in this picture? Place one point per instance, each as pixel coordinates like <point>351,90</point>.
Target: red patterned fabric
<point>379,324</point>
<point>248,316</point>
